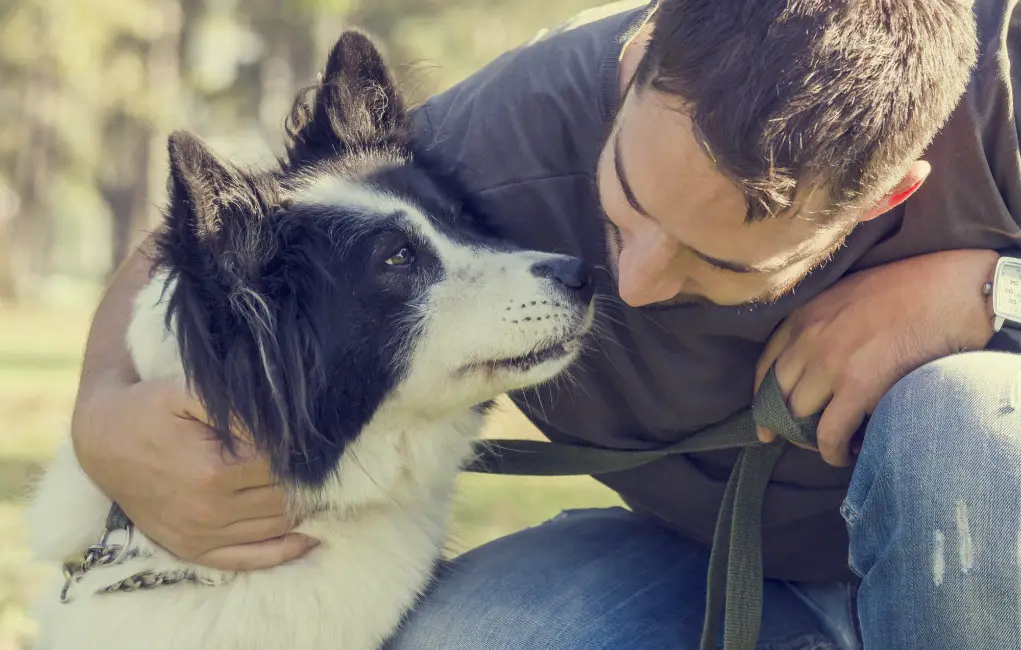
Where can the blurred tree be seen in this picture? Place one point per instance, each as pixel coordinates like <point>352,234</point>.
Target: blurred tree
<point>80,85</point>
<point>440,42</point>
<point>94,86</point>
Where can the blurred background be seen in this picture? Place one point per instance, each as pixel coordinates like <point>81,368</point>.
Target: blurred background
<point>89,91</point>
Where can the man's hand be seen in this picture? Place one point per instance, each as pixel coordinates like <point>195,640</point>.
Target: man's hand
<point>146,447</point>
<point>841,352</point>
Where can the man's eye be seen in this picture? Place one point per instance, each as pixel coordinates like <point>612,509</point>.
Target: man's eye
<point>403,257</point>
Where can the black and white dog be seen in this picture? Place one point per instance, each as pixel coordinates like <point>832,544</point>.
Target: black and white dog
<point>346,310</point>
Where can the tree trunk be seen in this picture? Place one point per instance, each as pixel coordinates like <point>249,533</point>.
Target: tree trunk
<point>28,233</point>
<point>125,186</point>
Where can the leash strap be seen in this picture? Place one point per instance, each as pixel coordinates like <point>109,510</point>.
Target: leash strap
<point>734,585</point>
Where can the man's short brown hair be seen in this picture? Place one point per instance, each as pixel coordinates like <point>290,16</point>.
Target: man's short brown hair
<point>788,95</point>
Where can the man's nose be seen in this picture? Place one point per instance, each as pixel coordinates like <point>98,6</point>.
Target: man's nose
<point>647,277</point>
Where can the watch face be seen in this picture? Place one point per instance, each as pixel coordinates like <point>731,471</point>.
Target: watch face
<point>1007,293</point>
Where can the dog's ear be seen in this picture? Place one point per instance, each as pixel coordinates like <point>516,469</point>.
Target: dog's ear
<point>204,188</point>
<point>216,244</point>
<point>355,106</point>
<point>215,208</point>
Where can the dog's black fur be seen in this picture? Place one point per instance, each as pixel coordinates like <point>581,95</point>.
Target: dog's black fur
<point>262,283</point>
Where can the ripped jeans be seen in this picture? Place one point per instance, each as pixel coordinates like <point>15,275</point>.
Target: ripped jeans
<point>933,512</point>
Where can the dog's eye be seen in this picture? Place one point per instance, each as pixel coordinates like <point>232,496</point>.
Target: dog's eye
<point>403,257</point>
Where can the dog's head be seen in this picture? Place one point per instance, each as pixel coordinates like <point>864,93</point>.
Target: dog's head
<point>306,298</point>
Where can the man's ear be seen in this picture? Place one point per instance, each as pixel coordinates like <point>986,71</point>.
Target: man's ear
<point>355,106</point>
<point>907,186</point>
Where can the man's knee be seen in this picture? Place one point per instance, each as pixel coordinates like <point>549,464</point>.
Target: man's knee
<point>934,499</point>
<point>951,413</point>
<point>947,433</point>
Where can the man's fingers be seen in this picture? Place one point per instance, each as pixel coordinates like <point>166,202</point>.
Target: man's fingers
<point>252,531</point>
<point>840,421</point>
<point>790,368</point>
<point>766,436</point>
<point>259,502</point>
<point>247,470</point>
<point>260,555</point>
<point>811,394</point>
<point>196,539</point>
<point>774,348</point>
<point>806,393</point>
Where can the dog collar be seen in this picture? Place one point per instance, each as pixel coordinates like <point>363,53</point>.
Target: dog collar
<point>113,548</point>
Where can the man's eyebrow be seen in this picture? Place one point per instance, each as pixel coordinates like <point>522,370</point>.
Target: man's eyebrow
<point>618,166</point>
<point>629,194</point>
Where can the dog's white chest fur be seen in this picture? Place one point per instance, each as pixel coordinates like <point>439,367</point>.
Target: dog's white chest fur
<point>381,531</point>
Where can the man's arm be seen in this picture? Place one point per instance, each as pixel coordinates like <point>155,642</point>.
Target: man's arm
<point>107,362</point>
<point>144,444</point>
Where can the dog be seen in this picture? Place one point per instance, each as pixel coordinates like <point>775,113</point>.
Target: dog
<point>349,311</point>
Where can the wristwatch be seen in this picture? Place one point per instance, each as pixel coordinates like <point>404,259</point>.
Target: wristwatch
<point>1006,293</point>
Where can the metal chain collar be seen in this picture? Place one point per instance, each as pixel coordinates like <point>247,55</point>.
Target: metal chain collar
<point>105,553</point>
<point>152,579</point>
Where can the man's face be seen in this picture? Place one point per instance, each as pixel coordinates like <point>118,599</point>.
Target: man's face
<point>676,225</point>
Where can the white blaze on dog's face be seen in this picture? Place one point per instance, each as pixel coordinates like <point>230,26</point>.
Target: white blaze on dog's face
<point>488,318</point>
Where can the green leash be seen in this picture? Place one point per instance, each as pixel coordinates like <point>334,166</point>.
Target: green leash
<point>735,579</point>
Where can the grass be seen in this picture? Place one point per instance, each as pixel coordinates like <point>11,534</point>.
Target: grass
<point>40,358</point>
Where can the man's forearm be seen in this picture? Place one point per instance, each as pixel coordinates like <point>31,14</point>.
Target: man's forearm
<point>107,360</point>
<point>969,296</point>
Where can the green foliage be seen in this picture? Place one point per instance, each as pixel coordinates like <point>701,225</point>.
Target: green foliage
<point>92,87</point>
<point>326,6</point>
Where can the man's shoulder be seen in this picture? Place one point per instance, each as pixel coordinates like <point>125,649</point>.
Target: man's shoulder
<point>535,110</point>
<point>589,17</point>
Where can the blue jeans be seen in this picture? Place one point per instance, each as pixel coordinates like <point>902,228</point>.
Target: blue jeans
<point>933,512</point>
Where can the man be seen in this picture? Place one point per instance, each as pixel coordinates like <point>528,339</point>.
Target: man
<point>751,174</point>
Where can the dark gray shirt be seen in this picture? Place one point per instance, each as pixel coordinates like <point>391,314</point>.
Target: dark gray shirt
<point>526,132</point>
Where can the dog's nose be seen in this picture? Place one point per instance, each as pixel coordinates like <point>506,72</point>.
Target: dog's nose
<point>572,273</point>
